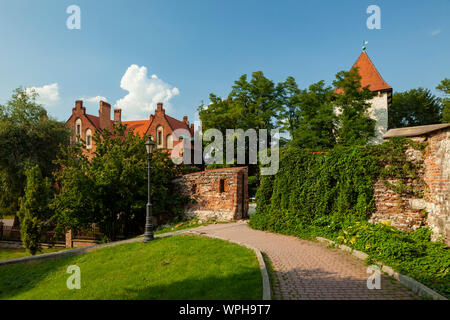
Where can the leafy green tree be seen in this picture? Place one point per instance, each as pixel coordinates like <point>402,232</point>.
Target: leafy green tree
<point>27,138</point>
<point>34,209</point>
<point>416,107</point>
<point>355,125</point>
<point>444,86</point>
<point>254,104</point>
<point>316,120</point>
<point>111,188</point>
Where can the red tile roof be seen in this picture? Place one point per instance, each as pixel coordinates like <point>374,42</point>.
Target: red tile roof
<point>177,124</point>
<point>95,120</point>
<point>369,75</point>
<point>139,127</point>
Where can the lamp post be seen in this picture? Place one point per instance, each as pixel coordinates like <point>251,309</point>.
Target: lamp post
<point>148,235</point>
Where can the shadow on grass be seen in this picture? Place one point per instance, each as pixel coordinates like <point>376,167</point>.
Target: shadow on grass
<point>19,278</point>
<point>234,287</point>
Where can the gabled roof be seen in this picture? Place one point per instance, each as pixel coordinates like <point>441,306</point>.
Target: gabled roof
<point>369,75</point>
<point>415,131</point>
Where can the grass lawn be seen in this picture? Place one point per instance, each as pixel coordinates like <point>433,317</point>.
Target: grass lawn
<point>6,253</point>
<point>180,267</point>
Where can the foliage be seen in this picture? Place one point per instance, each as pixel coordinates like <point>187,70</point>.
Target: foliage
<point>111,188</point>
<point>355,125</point>
<point>331,195</point>
<point>409,253</point>
<point>315,120</point>
<point>415,107</point>
<point>444,87</point>
<point>27,138</point>
<point>174,268</point>
<point>34,210</point>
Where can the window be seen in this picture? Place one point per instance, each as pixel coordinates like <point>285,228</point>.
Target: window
<point>78,129</point>
<point>88,139</point>
<point>222,185</point>
<point>159,137</point>
<point>169,143</point>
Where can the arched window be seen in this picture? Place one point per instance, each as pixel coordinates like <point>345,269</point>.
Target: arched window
<point>78,129</point>
<point>159,137</point>
<point>169,143</point>
<point>88,139</point>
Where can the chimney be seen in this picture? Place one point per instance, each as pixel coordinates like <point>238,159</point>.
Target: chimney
<point>160,108</point>
<point>117,116</point>
<point>185,120</point>
<point>104,115</point>
<point>79,106</point>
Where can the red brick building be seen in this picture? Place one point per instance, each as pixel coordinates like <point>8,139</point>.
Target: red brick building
<point>159,125</point>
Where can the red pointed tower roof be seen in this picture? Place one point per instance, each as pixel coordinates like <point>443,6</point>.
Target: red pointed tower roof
<point>369,75</point>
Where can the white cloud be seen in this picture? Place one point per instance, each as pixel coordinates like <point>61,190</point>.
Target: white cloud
<point>96,99</point>
<point>143,93</point>
<point>436,32</point>
<point>48,94</point>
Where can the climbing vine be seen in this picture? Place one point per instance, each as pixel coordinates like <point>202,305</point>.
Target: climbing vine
<point>313,189</point>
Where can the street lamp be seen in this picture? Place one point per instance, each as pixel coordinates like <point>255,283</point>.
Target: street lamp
<point>148,235</point>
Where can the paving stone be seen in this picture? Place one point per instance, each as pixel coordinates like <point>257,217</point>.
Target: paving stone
<point>310,270</point>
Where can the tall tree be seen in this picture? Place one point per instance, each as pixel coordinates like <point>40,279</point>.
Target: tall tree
<point>316,120</point>
<point>352,101</point>
<point>415,107</point>
<point>444,87</point>
<point>254,104</point>
<point>34,209</point>
<point>27,138</point>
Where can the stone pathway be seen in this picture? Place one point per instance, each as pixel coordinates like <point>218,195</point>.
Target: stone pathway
<point>306,270</point>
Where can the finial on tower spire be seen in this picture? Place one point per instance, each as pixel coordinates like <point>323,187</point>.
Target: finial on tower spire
<point>364,47</point>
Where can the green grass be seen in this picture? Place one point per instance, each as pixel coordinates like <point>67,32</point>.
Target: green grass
<point>6,253</point>
<point>180,267</point>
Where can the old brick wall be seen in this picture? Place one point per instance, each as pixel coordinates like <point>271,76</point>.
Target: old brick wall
<point>433,210</point>
<point>437,179</point>
<point>220,194</point>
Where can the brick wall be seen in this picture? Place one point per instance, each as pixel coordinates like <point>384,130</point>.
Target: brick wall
<point>433,210</point>
<point>220,194</point>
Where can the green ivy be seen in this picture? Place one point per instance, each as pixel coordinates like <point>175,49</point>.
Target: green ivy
<point>332,195</point>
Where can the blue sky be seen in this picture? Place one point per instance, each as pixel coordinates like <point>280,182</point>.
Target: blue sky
<point>199,47</point>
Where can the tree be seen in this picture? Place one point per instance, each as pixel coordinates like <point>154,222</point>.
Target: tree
<point>34,209</point>
<point>355,125</point>
<point>254,104</point>
<point>27,138</point>
<point>444,86</point>
<point>316,120</point>
<point>416,107</point>
<point>111,188</point>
